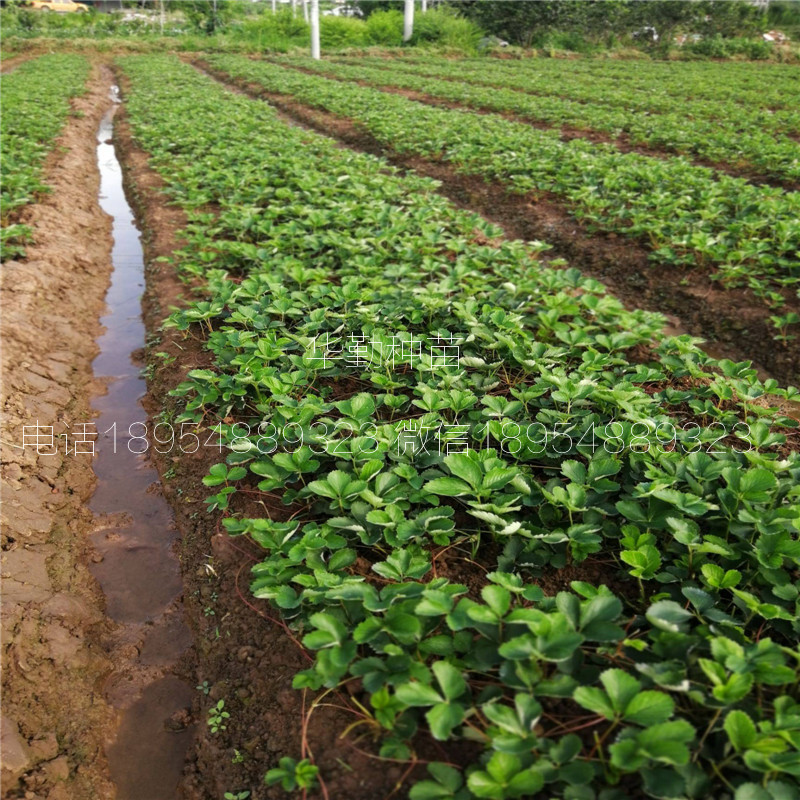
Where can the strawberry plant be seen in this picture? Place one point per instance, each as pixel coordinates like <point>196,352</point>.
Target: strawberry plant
<point>35,104</point>
<point>692,216</point>
<point>720,132</point>
<point>293,774</point>
<point>654,87</point>
<point>530,549</point>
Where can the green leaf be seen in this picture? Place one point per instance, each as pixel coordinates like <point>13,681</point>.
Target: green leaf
<point>429,790</point>
<point>649,708</point>
<point>668,616</point>
<point>757,484</point>
<point>342,559</point>
<point>450,679</point>
<point>484,786</point>
<point>503,766</point>
<point>434,604</point>
<point>448,487</point>
<point>322,488</point>
<point>446,775</point>
<point>569,605</point>
<point>774,790</point>
<point>621,687</point>
<point>418,694</point>
<point>667,741</point>
<point>594,699</point>
<point>685,531</point>
<point>442,718</point>
<point>465,468</point>
<point>406,628</point>
<point>504,717</point>
<point>505,778</point>
<point>665,783</point>
<point>687,503</point>
<point>602,608</point>
<point>447,783</point>
<point>645,561</point>
<point>741,730</point>
<point>525,784</point>
<point>720,578</point>
<point>497,598</point>
<point>330,625</point>
<point>752,791</point>
<point>735,688</point>
<point>700,599</point>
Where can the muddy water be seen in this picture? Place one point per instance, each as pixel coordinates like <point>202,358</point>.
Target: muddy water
<point>135,535</point>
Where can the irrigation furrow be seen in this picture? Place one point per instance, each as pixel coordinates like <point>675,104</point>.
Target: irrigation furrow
<point>135,538</point>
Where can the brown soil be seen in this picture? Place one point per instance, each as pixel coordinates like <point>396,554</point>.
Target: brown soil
<point>54,717</point>
<point>10,63</point>
<point>734,321</point>
<point>567,133</point>
<point>244,655</point>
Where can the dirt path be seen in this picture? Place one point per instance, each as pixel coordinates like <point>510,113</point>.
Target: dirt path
<point>54,717</point>
<point>10,63</point>
<point>734,322</point>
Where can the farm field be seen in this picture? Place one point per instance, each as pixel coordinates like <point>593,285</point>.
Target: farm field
<point>35,102</point>
<point>686,218</point>
<point>470,389</point>
<point>737,137</point>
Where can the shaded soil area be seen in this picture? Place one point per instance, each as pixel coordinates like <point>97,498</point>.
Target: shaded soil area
<point>734,322</point>
<point>244,656</point>
<point>567,133</point>
<point>53,660</point>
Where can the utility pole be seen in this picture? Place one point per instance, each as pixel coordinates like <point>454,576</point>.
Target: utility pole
<point>314,29</point>
<point>408,20</point>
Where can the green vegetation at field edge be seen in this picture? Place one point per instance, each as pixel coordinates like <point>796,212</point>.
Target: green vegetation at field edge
<point>34,105</point>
